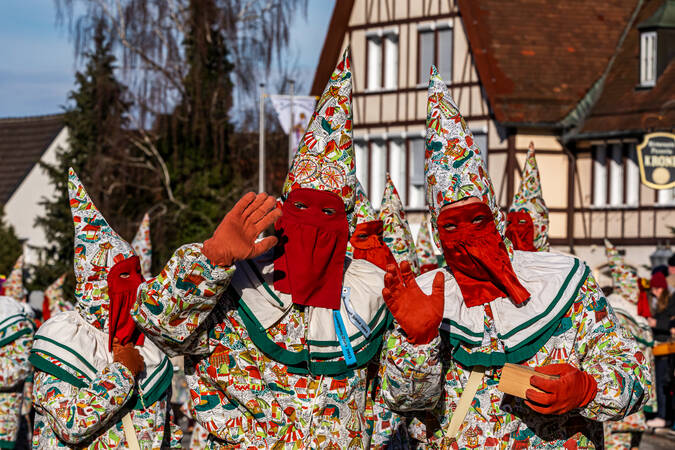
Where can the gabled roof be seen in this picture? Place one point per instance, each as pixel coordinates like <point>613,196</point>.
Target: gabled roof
<point>624,107</point>
<point>537,60</point>
<point>23,141</point>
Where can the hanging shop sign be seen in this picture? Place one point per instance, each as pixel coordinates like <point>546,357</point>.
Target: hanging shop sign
<point>656,156</point>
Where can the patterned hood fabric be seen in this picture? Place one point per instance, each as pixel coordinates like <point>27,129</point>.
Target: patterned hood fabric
<point>325,156</point>
<point>56,300</point>
<point>624,278</point>
<point>14,284</point>
<point>454,166</point>
<point>529,198</point>
<point>97,248</point>
<point>397,233</point>
<point>143,246</point>
<point>424,247</point>
<point>363,209</point>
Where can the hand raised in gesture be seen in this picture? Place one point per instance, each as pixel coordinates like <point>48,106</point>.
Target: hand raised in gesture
<point>235,237</point>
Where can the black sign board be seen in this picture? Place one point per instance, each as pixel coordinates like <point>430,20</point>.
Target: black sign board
<point>656,156</point>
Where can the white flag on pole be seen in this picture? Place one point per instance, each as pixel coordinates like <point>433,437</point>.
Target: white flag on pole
<point>303,108</point>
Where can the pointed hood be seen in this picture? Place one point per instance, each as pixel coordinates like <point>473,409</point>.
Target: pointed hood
<point>97,249</point>
<point>624,278</point>
<point>55,300</point>
<point>397,233</point>
<point>13,286</point>
<point>454,166</point>
<point>143,246</point>
<point>325,156</point>
<point>363,209</point>
<point>529,198</point>
<point>423,246</point>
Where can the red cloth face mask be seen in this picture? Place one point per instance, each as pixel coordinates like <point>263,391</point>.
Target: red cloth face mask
<point>368,244</point>
<point>123,281</point>
<point>309,260</point>
<point>520,231</point>
<point>475,252</point>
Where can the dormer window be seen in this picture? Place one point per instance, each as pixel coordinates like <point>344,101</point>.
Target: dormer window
<point>648,58</point>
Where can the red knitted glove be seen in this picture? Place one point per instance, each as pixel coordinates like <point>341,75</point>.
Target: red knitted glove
<point>574,389</point>
<point>417,313</point>
<point>235,237</point>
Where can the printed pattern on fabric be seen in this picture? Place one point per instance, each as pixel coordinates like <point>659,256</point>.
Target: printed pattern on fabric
<point>143,246</point>
<point>13,285</point>
<point>589,337</point>
<point>241,395</point>
<point>56,300</point>
<point>97,248</point>
<point>90,417</point>
<point>529,198</point>
<point>325,157</point>
<point>423,246</point>
<point>14,369</point>
<point>454,167</point>
<point>397,233</point>
<point>625,279</point>
<point>363,209</point>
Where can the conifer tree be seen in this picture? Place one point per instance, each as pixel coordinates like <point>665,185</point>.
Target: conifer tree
<point>10,246</point>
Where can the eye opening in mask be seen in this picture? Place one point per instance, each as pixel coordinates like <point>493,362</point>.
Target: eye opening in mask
<point>522,221</point>
<point>449,226</point>
<point>328,211</point>
<point>300,205</point>
<point>479,218</point>
<point>125,275</point>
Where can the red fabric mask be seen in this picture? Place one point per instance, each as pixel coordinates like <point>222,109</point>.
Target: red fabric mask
<point>368,244</point>
<point>46,314</point>
<point>428,268</point>
<point>123,281</point>
<point>477,256</point>
<point>309,260</point>
<point>520,231</point>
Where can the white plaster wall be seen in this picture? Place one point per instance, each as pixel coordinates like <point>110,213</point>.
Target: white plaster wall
<point>23,206</point>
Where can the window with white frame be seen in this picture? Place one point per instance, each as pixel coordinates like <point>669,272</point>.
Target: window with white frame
<point>378,170</point>
<point>435,48</point>
<point>600,175</point>
<point>382,61</point>
<point>397,166</point>
<point>648,58</point>
<point>666,196</point>
<point>616,175</point>
<point>480,138</point>
<point>416,172</point>
<point>632,177</point>
<point>361,156</point>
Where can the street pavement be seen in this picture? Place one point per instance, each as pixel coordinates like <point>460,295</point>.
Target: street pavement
<point>657,441</point>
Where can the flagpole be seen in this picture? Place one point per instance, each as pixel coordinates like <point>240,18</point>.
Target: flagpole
<point>292,130</point>
<point>261,141</point>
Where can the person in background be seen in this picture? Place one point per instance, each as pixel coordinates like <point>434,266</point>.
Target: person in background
<point>670,278</point>
<point>662,326</point>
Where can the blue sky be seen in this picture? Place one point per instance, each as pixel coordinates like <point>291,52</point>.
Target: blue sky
<point>37,61</point>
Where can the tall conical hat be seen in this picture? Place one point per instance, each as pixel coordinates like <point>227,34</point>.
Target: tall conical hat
<point>97,249</point>
<point>397,233</point>
<point>143,246</point>
<point>363,209</point>
<point>624,278</point>
<point>530,199</point>
<point>56,301</point>
<point>423,246</point>
<point>14,284</point>
<point>325,156</point>
<point>454,166</point>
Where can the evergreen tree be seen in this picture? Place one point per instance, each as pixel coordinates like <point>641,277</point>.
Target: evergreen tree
<point>10,246</point>
<point>95,120</point>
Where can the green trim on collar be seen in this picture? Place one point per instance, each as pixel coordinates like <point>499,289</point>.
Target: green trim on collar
<point>3,322</point>
<point>356,348</point>
<point>7,444</point>
<point>373,323</point>
<point>68,349</point>
<point>52,369</point>
<point>551,305</point>
<point>264,283</point>
<point>159,387</point>
<point>466,331</point>
<point>66,363</point>
<point>15,336</point>
<point>521,352</point>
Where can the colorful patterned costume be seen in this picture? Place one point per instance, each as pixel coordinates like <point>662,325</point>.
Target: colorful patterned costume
<point>397,233</point>
<point>142,246</point>
<point>13,286</point>
<point>530,199</point>
<point>265,372</point>
<point>624,299</point>
<point>566,320</point>
<point>424,248</point>
<point>16,338</point>
<point>55,301</point>
<point>80,394</point>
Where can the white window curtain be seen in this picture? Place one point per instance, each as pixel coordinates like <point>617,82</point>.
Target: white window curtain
<point>600,176</point>
<point>397,166</point>
<point>427,53</point>
<point>444,62</point>
<point>361,156</point>
<point>666,196</point>
<point>481,139</point>
<point>648,58</point>
<point>391,61</point>
<point>632,177</point>
<point>416,173</point>
<point>616,175</point>
<point>378,169</point>
<point>374,62</point>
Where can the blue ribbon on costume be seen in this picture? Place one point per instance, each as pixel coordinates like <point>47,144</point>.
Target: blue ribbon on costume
<point>341,331</point>
<point>354,318</point>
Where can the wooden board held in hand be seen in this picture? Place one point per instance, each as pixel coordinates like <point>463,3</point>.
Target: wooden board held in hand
<point>515,379</point>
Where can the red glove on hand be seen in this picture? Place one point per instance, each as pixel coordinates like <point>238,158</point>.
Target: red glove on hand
<point>234,239</point>
<point>417,313</point>
<point>574,389</point>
